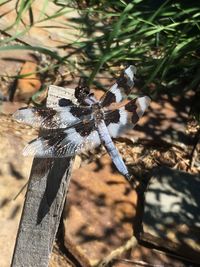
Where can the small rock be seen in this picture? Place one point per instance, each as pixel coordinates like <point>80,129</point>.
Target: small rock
<point>172,212</point>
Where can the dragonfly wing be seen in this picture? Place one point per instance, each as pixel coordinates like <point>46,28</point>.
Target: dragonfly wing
<point>121,89</point>
<point>51,118</point>
<point>125,118</point>
<point>64,142</point>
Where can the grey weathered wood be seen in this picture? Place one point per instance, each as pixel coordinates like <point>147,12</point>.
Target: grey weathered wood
<point>45,197</point>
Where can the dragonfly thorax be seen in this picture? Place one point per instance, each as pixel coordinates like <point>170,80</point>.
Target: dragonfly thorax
<point>97,112</point>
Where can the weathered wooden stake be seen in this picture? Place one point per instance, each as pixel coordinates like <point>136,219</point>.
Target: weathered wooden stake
<point>44,202</point>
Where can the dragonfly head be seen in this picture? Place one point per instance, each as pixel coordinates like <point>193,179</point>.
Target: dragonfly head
<point>81,92</point>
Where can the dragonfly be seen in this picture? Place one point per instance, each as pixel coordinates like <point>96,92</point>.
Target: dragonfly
<point>85,123</point>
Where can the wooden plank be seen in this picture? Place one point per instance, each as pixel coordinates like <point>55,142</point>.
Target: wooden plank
<point>45,197</point>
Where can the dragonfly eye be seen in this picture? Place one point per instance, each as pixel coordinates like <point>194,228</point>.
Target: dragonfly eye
<point>81,93</point>
<point>91,94</point>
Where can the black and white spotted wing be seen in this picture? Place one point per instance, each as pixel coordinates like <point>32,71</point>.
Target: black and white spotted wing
<point>126,117</point>
<point>52,118</point>
<point>64,142</point>
<point>121,89</point>
<point>69,130</point>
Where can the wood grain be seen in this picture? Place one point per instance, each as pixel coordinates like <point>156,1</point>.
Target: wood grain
<point>44,202</point>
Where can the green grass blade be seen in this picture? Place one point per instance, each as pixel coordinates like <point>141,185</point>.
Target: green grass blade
<point>33,48</point>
